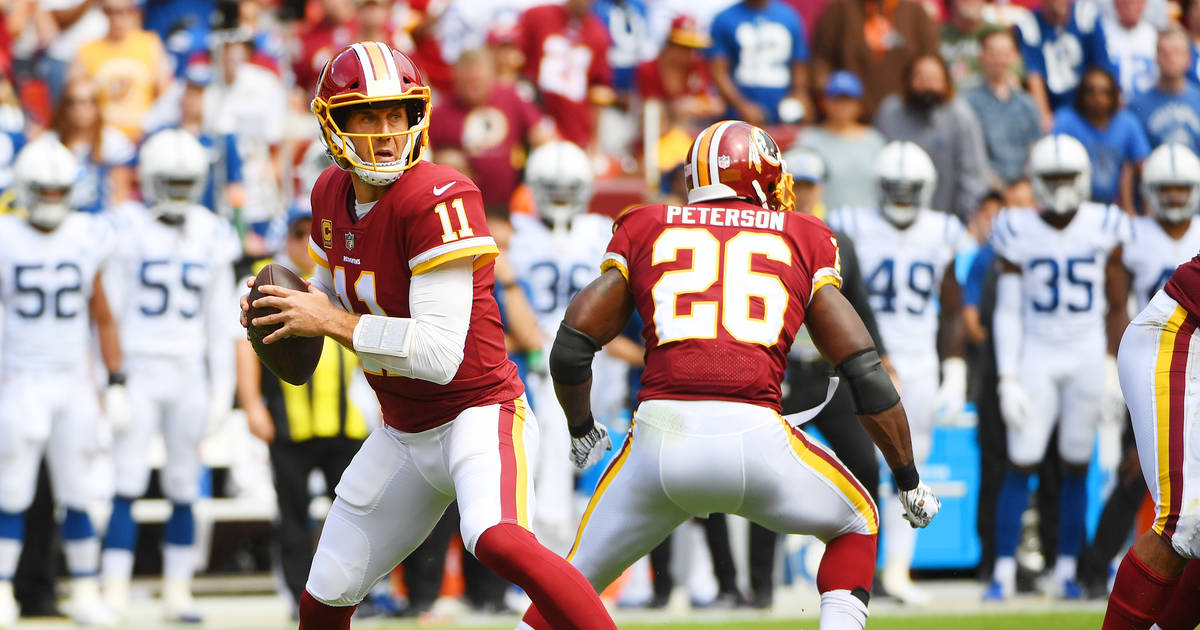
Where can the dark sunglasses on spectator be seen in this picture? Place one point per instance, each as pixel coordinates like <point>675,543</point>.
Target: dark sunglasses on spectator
<point>1096,89</point>
<point>299,233</point>
<point>119,10</point>
<point>81,101</point>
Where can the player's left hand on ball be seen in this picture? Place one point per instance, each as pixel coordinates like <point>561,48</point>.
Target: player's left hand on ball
<point>302,313</point>
<point>587,450</point>
<point>117,407</point>
<point>245,303</point>
<point>920,505</point>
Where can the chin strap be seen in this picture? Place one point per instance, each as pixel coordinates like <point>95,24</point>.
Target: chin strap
<point>785,196</point>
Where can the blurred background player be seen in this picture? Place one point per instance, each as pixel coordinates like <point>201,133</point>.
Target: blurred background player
<point>1049,330</point>
<point>50,261</point>
<point>907,249</point>
<point>556,253</point>
<point>174,278</point>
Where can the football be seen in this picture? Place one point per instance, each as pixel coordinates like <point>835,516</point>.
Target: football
<point>292,359</point>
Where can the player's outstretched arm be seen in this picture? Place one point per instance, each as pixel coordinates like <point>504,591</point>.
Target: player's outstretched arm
<point>843,339</point>
<point>594,317</point>
<point>841,336</point>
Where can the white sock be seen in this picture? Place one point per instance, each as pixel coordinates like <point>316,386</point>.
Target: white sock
<point>10,555</point>
<point>1064,569</point>
<point>83,556</point>
<point>842,611</point>
<point>899,538</point>
<point>179,561</point>
<point>116,564</point>
<point>1005,573</point>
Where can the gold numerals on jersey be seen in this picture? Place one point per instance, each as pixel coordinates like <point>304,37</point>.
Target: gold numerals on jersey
<point>448,232</point>
<point>740,287</point>
<point>364,290</point>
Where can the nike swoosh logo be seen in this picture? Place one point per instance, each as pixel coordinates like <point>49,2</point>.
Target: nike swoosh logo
<point>438,190</point>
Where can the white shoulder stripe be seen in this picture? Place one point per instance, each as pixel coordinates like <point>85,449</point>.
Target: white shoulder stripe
<point>466,243</point>
<point>312,245</point>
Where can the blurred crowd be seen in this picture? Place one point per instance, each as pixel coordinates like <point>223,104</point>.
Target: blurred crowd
<point>628,83</point>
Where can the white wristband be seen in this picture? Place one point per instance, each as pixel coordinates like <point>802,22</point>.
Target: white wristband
<point>389,336</point>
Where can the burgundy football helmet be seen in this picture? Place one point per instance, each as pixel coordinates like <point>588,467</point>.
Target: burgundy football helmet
<point>734,159</point>
<point>372,72</point>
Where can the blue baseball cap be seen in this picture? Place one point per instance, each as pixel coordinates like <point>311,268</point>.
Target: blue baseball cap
<point>805,165</point>
<point>296,214</point>
<point>843,83</point>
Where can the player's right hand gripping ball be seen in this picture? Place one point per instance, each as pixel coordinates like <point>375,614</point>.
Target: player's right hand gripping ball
<point>920,505</point>
<point>587,450</point>
<point>292,359</point>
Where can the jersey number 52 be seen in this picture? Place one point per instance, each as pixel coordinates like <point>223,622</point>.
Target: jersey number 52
<point>740,286</point>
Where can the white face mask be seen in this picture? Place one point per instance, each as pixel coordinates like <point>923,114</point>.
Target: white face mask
<point>1065,199</point>
<point>48,216</point>
<point>900,216</point>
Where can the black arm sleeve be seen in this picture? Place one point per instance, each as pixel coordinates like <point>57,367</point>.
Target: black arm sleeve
<point>855,289</point>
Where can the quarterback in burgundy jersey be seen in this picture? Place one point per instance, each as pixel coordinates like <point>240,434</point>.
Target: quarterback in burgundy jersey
<point>404,278</point>
<point>723,283</point>
<point>1158,366</point>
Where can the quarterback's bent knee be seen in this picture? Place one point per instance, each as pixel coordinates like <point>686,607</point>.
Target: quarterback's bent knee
<point>338,576</point>
<point>1186,538</point>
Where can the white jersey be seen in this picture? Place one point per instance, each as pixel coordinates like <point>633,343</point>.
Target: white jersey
<point>1062,271</point>
<point>902,270</point>
<point>175,283</point>
<point>556,267</point>
<point>1134,51</point>
<point>1151,255</point>
<point>46,283</point>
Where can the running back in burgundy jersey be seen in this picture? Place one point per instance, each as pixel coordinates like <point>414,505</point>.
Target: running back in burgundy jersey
<point>734,273</point>
<point>434,215</point>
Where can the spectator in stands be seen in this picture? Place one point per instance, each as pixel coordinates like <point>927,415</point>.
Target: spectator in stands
<point>417,37</point>
<point>1132,43</point>
<point>183,26</point>
<point>846,146</point>
<point>1062,41</point>
<point>486,128</point>
<point>504,43</point>
<point>323,39</point>
<point>928,113</point>
<point>679,78</point>
<point>224,180</point>
<point>759,62</point>
<point>75,22</point>
<point>12,131</point>
<point>129,65</point>
<point>252,102</point>
<point>1190,19</point>
<point>106,154</point>
<point>1000,97</point>
<point>1113,136</point>
<point>874,39</point>
<point>566,58</point>
<point>962,42</point>
<point>629,29</point>
<point>316,426</point>
<point>1170,111</point>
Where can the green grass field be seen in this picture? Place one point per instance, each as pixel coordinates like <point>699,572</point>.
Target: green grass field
<point>1028,621</point>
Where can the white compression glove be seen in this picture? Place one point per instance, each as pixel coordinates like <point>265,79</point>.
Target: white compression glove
<point>117,407</point>
<point>952,394</point>
<point>1113,407</point>
<point>587,450</point>
<point>1014,402</point>
<point>920,505</point>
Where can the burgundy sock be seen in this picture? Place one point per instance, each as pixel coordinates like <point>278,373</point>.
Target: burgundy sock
<point>1183,609</point>
<point>558,590</point>
<point>1138,594</point>
<point>317,616</point>
<point>848,563</point>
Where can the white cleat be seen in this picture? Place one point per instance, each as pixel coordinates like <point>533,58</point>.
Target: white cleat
<point>178,604</point>
<point>8,605</point>
<point>898,584</point>
<point>86,607</point>
<point>116,595</point>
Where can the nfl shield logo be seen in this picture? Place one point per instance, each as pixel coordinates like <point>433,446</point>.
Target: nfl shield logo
<point>349,241</point>
<point>723,161</point>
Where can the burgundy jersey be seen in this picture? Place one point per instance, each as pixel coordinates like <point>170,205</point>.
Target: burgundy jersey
<point>1184,286</point>
<point>433,214</point>
<point>722,290</point>
<point>491,135</point>
<point>564,57</point>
